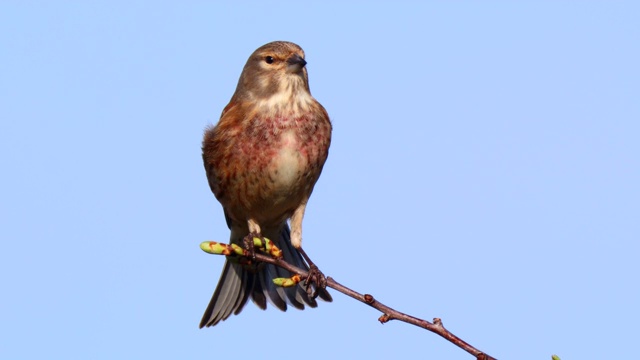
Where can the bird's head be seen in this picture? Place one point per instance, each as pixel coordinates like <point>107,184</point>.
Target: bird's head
<point>275,74</point>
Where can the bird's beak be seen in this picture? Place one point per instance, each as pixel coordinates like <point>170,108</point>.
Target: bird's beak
<point>295,63</point>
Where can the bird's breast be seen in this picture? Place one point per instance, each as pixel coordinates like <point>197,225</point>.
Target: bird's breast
<point>285,158</point>
<point>264,166</point>
<point>288,163</point>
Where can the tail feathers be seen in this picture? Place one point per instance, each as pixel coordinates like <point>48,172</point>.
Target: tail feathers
<point>230,295</point>
<point>237,284</point>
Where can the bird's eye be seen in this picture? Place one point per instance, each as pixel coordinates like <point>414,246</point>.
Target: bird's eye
<point>269,59</point>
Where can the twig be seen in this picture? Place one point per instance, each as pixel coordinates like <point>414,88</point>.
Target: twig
<point>387,312</point>
<point>275,258</point>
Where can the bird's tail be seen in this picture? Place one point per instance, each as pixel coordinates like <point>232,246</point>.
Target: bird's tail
<point>237,283</point>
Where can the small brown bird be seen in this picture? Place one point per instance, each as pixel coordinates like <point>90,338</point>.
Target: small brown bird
<point>262,161</point>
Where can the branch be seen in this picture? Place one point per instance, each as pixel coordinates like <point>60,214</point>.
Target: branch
<point>388,313</point>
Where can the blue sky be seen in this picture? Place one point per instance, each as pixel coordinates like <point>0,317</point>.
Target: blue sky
<point>484,169</point>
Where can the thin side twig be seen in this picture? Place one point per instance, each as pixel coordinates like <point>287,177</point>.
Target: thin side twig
<point>388,313</point>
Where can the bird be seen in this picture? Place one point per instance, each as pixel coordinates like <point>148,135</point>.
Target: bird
<point>262,160</point>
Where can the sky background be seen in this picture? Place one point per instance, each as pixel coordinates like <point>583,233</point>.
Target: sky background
<point>484,169</point>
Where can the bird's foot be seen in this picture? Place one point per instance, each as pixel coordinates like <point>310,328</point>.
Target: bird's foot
<point>248,244</point>
<point>315,280</point>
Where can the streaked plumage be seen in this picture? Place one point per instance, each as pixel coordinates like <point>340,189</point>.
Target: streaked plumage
<point>262,161</point>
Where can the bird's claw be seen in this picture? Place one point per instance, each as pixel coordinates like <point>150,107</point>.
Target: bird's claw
<point>317,278</point>
<point>247,244</point>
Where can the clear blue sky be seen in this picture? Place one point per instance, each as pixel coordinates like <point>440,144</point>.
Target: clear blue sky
<point>484,169</point>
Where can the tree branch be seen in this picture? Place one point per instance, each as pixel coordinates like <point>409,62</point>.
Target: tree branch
<point>388,313</point>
